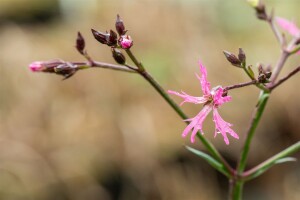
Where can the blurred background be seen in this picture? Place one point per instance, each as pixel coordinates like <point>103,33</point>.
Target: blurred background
<point>108,135</point>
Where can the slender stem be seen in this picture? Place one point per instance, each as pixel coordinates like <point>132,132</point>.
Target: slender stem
<point>135,61</point>
<point>84,65</point>
<point>236,187</point>
<point>255,120</point>
<point>177,109</point>
<point>259,85</point>
<point>285,78</point>
<point>240,85</point>
<point>288,151</point>
<point>275,30</point>
<point>283,57</point>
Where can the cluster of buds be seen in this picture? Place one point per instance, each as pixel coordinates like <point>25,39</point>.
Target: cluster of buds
<point>237,61</point>
<point>111,38</point>
<point>114,41</point>
<point>56,66</point>
<point>264,74</point>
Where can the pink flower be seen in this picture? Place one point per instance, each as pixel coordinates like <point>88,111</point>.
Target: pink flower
<point>289,26</point>
<point>36,66</point>
<point>125,41</point>
<point>212,100</point>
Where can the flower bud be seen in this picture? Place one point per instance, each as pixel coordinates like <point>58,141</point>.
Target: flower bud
<point>232,59</point>
<point>67,70</point>
<point>36,66</point>
<point>264,74</point>
<point>80,43</point>
<point>268,74</point>
<point>118,56</point>
<point>261,11</point>
<point>101,37</point>
<point>125,42</point>
<point>112,38</point>
<point>260,69</point>
<point>120,26</point>
<point>242,56</point>
<point>57,66</point>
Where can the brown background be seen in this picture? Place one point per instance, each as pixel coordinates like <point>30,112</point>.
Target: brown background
<point>108,135</point>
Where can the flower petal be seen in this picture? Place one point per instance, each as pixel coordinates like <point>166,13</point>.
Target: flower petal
<point>188,98</point>
<point>289,26</point>
<point>219,99</point>
<point>196,123</point>
<point>205,85</point>
<point>223,127</point>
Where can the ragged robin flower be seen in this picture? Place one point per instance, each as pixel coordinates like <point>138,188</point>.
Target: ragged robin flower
<point>290,27</point>
<point>212,100</point>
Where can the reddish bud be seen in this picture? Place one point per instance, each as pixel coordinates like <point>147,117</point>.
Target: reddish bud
<point>261,11</point>
<point>118,56</point>
<point>120,26</point>
<point>125,42</point>
<point>112,38</point>
<point>58,67</point>
<point>80,43</point>
<point>232,59</point>
<point>36,66</point>
<point>100,37</point>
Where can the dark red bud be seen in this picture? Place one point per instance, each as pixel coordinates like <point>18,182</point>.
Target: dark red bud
<point>118,56</point>
<point>100,37</point>
<point>232,59</point>
<point>112,39</point>
<point>120,26</point>
<point>261,11</point>
<point>80,43</point>
<point>67,70</point>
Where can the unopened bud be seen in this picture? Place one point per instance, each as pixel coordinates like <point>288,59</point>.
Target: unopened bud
<point>262,78</point>
<point>253,3</point>
<point>80,43</point>
<point>232,59</point>
<point>125,42</point>
<point>112,38</point>
<point>264,74</point>
<point>260,69</point>
<point>268,74</point>
<point>101,37</point>
<point>67,70</point>
<point>242,56</point>
<point>118,56</point>
<point>120,26</point>
<point>261,11</point>
<point>57,66</point>
<point>36,66</point>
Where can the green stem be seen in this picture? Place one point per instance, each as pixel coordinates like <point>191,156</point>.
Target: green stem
<point>250,174</point>
<point>237,186</point>
<point>255,120</point>
<point>135,61</point>
<point>235,189</point>
<point>177,109</point>
<point>259,85</point>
